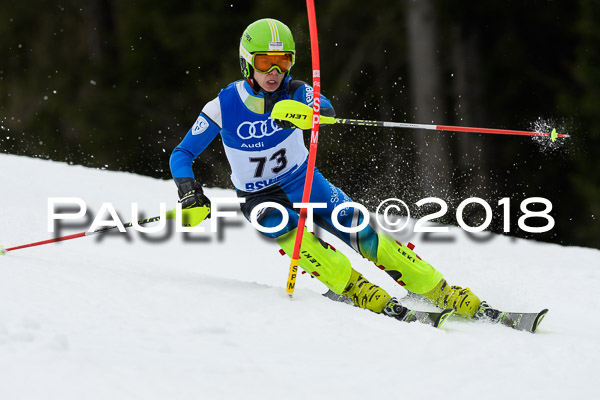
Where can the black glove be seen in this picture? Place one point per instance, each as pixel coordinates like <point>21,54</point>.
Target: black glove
<point>191,193</point>
<point>284,124</point>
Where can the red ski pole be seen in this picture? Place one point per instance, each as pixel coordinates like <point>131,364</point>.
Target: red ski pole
<point>300,115</point>
<point>190,217</point>
<point>76,235</point>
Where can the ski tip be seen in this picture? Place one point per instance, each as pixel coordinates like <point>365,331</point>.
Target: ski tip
<point>538,319</point>
<point>443,317</point>
<point>2,251</point>
<point>553,135</point>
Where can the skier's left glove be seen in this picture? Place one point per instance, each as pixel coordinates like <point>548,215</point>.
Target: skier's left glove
<point>191,194</point>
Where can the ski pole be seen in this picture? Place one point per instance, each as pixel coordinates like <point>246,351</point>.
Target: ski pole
<point>314,140</point>
<point>190,217</point>
<point>300,115</point>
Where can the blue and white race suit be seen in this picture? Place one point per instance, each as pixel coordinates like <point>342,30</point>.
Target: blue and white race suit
<point>268,163</point>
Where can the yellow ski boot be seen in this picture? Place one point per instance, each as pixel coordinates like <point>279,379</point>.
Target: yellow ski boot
<point>462,300</point>
<point>364,294</point>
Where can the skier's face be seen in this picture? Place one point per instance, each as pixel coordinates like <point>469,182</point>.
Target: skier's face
<point>270,81</point>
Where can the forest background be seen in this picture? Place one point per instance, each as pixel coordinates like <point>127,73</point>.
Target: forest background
<point>117,84</point>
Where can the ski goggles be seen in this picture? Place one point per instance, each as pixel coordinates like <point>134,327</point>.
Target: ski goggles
<point>266,62</point>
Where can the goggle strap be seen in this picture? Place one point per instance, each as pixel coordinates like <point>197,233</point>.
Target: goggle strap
<point>246,55</point>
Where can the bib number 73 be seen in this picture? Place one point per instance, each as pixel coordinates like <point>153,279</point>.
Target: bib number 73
<point>278,158</point>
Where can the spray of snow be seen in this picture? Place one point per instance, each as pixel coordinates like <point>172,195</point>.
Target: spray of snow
<point>544,143</point>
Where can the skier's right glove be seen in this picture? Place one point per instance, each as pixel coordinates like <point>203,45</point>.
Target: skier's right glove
<point>191,193</point>
<point>284,124</point>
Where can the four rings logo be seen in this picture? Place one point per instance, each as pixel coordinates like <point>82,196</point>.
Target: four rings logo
<point>256,130</point>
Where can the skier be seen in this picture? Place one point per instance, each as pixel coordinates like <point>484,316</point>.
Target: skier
<point>268,160</point>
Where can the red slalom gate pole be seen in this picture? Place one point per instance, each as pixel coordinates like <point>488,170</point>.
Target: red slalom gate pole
<point>314,140</point>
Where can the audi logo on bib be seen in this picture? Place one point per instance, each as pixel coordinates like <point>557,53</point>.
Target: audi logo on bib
<point>258,129</point>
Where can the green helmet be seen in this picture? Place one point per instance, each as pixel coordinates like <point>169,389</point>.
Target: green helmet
<point>264,35</point>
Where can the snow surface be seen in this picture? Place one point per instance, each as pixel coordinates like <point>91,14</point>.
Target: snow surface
<point>205,316</point>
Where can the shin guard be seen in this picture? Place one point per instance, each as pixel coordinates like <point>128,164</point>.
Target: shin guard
<point>405,266</point>
<point>332,268</point>
<point>319,259</point>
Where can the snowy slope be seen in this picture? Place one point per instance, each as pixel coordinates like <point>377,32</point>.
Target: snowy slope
<point>205,316</point>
